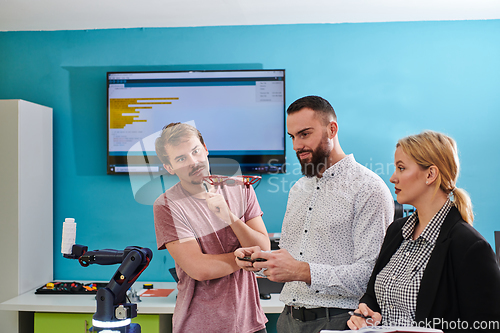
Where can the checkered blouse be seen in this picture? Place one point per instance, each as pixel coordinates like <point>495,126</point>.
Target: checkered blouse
<point>398,283</point>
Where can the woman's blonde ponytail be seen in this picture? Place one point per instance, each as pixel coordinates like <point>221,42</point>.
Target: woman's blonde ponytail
<point>461,200</point>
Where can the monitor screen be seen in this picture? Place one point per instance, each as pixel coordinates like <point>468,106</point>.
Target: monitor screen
<point>241,115</point>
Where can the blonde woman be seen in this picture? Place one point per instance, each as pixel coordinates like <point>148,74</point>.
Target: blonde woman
<point>434,269</point>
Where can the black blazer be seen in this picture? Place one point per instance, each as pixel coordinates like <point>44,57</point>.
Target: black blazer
<point>461,282</point>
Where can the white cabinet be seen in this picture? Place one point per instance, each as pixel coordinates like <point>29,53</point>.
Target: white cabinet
<point>26,195</point>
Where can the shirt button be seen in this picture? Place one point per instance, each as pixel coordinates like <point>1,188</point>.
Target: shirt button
<point>317,291</point>
<point>294,300</point>
<point>317,188</point>
<point>310,208</point>
<point>300,253</point>
<point>305,230</point>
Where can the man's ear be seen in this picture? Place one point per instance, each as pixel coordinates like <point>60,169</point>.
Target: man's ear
<point>168,167</point>
<point>333,128</point>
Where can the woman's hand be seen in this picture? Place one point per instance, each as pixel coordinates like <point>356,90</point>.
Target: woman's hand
<point>366,317</point>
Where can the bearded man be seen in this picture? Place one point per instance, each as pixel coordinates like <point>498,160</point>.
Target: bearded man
<point>333,228</point>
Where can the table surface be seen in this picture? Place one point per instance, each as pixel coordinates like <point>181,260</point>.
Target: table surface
<point>86,303</point>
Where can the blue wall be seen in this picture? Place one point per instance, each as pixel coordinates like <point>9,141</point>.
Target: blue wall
<point>385,80</point>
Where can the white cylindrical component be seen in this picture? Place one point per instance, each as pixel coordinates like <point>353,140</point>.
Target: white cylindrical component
<point>68,236</point>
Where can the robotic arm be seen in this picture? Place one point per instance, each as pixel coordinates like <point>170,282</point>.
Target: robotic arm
<point>113,312</point>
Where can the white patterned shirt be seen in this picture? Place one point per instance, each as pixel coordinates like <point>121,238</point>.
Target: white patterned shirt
<point>398,283</point>
<point>335,223</point>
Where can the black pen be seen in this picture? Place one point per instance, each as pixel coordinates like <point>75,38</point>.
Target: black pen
<point>352,313</point>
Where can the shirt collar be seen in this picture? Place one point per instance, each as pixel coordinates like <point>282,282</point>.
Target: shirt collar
<point>431,231</point>
<point>339,167</point>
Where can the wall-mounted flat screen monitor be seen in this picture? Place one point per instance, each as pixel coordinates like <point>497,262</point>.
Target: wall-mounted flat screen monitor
<point>240,113</point>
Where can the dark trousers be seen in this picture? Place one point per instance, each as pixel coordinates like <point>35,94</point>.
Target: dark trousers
<point>287,324</point>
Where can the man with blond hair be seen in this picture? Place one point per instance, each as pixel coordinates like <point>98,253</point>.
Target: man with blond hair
<point>201,226</point>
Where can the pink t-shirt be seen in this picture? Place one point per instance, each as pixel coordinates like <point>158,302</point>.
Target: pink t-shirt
<point>228,304</point>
